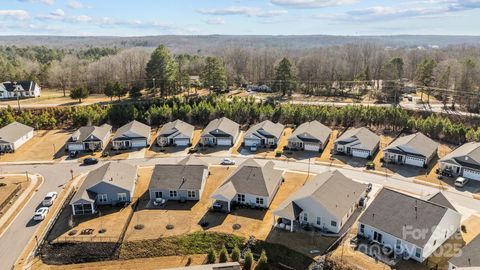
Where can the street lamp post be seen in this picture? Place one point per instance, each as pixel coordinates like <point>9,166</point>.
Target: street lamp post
<point>17,93</point>
<point>154,84</point>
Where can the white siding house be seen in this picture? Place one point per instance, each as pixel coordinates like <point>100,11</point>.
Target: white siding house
<point>14,135</point>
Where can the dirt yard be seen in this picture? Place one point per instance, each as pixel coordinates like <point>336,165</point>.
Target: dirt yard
<point>187,217</point>
<point>45,145</point>
<point>10,187</point>
<point>144,264</point>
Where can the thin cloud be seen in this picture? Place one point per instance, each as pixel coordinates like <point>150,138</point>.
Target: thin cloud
<point>75,4</point>
<point>46,2</point>
<point>17,14</point>
<point>247,11</point>
<point>312,3</point>
<point>214,21</point>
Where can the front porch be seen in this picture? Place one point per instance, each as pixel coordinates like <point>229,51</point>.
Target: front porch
<point>121,144</point>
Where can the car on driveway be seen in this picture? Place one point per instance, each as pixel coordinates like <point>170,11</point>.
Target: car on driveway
<point>227,161</point>
<point>41,213</point>
<point>90,161</point>
<point>50,198</point>
<point>461,182</point>
<point>73,154</point>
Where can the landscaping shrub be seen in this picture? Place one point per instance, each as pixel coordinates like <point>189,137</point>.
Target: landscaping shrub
<point>223,255</point>
<point>235,254</point>
<point>262,263</point>
<point>212,256</point>
<point>248,262</point>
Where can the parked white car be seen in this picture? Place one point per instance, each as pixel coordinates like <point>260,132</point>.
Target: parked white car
<point>50,198</point>
<point>461,182</point>
<point>41,213</point>
<point>227,161</point>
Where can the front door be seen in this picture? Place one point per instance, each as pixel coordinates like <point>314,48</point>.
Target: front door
<point>400,159</point>
<point>377,237</point>
<point>349,150</point>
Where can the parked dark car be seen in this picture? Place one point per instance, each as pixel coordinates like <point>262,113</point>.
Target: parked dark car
<point>369,187</point>
<point>73,154</point>
<point>90,161</point>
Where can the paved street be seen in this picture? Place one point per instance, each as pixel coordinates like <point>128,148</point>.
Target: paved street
<point>22,229</point>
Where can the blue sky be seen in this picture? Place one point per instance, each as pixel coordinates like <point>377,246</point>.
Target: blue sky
<point>239,17</point>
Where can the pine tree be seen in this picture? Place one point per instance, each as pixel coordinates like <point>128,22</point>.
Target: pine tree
<point>235,254</point>
<point>163,69</point>
<point>213,75</point>
<point>262,263</point>
<point>79,93</point>
<point>285,81</point>
<point>248,262</point>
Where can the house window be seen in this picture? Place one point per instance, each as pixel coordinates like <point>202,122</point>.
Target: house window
<point>191,194</point>
<point>173,193</point>
<point>259,200</point>
<point>158,194</point>
<point>333,223</point>
<point>305,217</point>
<point>362,228</point>
<point>241,198</point>
<point>102,198</point>
<point>319,221</point>
<point>122,197</point>
<point>417,252</point>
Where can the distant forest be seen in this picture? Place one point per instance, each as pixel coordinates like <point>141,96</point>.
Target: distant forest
<point>451,63</point>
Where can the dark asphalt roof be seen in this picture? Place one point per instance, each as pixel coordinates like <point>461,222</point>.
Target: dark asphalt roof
<point>186,175</point>
<point>392,211</point>
<point>469,255</point>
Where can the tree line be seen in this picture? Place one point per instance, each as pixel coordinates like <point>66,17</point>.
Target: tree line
<point>246,111</point>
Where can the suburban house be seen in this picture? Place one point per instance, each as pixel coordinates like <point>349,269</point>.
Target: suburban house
<point>250,184</point>
<point>220,131</point>
<point>111,184</point>
<point>91,138</point>
<point>357,142</point>
<point>412,228</point>
<point>415,149</point>
<point>14,135</point>
<point>468,258</point>
<point>131,135</point>
<point>309,136</point>
<point>265,134</point>
<point>463,161</point>
<point>177,133</point>
<point>20,89</point>
<point>184,181</point>
<point>325,202</point>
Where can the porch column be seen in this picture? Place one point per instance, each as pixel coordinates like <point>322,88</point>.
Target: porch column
<point>291,225</point>
<point>228,206</point>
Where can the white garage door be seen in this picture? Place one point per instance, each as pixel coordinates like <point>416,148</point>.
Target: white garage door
<point>471,174</point>
<point>182,142</point>
<point>75,147</point>
<point>415,161</point>
<point>224,141</point>
<point>139,143</point>
<point>312,147</point>
<point>360,154</point>
<point>250,142</point>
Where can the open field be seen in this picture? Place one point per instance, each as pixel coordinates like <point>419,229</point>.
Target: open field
<point>45,145</point>
<point>55,97</point>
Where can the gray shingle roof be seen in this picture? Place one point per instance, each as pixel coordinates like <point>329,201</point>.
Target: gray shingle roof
<point>469,256</point>
<point>186,175</point>
<point>332,190</point>
<point>439,198</point>
<point>363,137</point>
<point>467,155</point>
<point>118,174</point>
<point>84,132</point>
<point>135,127</point>
<point>252,178</point>
<point>13,131</point>
<point>274,129</point>
<point>181,127</point>
<point>420,144</point>
<point>223,124</point>
<point>311,131</point>
<point>391,211</point>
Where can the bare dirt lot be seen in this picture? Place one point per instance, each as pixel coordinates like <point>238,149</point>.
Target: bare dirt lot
<point>45,145</point>
<point>10,185</point>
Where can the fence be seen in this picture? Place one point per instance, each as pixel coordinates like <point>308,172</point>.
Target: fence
<point>84,238</point>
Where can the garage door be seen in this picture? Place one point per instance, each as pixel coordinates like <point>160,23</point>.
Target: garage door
<point>182,142</point>
<point>471,174</point>
<point>312,147</point>
<point>75,147</point>
<point>224,141</point>
<point>251,142</point>
<point>415,161</point>
<point>139,143</point>
<point>360,153</point>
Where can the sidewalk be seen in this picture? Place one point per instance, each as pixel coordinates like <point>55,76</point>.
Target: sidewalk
<point>20,202</point>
